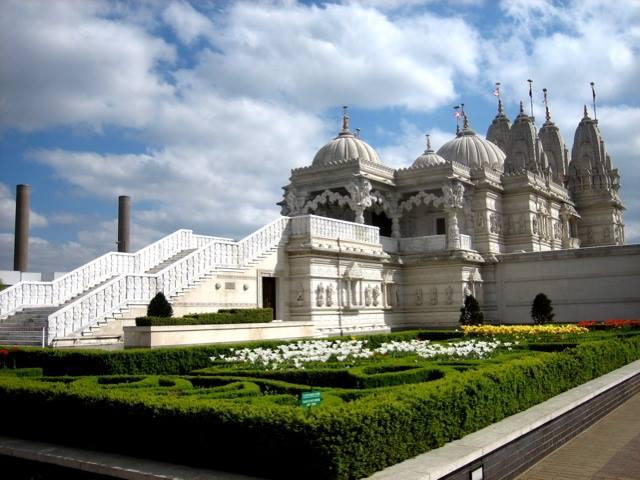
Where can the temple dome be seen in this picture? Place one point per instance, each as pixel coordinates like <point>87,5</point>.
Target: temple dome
<point>474,151</point>
<point>429,158</point>
<point>346,146</point>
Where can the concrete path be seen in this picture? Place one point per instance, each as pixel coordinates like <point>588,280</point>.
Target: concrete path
<point>608,450</point>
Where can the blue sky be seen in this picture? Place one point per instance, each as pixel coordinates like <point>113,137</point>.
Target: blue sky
<point>199,110</point>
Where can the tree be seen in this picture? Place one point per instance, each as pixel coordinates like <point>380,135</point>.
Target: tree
<point>159,306</point>
<point>541,309</point>
<point>470,314</point>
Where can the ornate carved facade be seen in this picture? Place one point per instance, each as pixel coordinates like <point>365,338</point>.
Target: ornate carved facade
<point>443,220</point>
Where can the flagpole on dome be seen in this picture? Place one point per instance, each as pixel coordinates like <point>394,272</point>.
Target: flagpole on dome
<point>533,119</point>
<point>464,117</point>
<point>457,115</point>
<point>498,94</point>
<point>593,92</point>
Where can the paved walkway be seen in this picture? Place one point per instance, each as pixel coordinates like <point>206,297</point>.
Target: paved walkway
<point>608,450</point>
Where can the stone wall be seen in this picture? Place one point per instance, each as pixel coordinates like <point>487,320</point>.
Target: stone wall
<point>595,283</point>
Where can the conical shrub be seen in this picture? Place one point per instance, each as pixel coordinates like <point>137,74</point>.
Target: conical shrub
<point>159,306</point>
<point>541,309</point>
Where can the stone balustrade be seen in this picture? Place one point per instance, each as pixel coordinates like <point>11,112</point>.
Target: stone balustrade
<point>131,288</point>
<point>324,227</point>
<point>33,294</point>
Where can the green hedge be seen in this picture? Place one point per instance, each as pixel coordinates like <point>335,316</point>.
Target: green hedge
<point>345,441</point>
<point>222,317</point>
<point>387,374</point>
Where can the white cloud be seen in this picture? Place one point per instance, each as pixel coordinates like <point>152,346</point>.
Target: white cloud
<point>410,144</point>
<point>45,256</point>
<point>186,21</point>
<point>8,212</point>
<point>72,63</point>
<point>337,54</point>
<point>226,176</point>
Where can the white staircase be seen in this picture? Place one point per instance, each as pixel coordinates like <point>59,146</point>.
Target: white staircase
<point>26,308</point>
<point>86,299</point>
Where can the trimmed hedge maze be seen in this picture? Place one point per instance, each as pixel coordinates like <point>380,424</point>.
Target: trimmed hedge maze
<point>375,411</point>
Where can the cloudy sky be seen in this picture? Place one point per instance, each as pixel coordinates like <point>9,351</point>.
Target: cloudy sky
<point>199,110</point>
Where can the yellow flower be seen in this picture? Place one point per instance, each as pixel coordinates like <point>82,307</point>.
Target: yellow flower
<point>522,329</point>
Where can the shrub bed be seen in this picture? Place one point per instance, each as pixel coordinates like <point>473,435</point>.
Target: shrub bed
<point>222,317</point>
<point>335,441</point>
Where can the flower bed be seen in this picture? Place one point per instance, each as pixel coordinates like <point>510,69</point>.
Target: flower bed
<point>321,351</point>
<point>525,330</point>
<point>610,324</point>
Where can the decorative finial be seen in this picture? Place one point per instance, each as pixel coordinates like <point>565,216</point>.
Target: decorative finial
<point>521,107</point>
<point>546,105</point>
<point>500,109</point>
<point>531,97</point>
<point>429,143</point>
<point>586,114</point>
<point>593,91</point>
<point>464,117</point>
<point>357,133</point>
<point>345,119</point>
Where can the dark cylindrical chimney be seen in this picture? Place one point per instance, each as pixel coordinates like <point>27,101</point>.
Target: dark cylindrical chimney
<point>21,237</point>
<point>124,218</point>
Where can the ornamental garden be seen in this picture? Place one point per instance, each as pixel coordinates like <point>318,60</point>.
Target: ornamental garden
<point>338,408</point>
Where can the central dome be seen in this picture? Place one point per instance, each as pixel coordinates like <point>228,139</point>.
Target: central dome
<point>346,146</point>
<point>474,151</point>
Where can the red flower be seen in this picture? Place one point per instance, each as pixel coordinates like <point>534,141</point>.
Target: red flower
<point>4,353</point>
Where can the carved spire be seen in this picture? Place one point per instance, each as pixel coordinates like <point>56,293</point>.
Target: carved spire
<point>547,114</point>
<point>586,114</point>
<point>429,149</point>
<point>521,107</point>
<point>500,109</point>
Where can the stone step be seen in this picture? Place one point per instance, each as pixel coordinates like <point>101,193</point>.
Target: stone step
<point>171,260</point>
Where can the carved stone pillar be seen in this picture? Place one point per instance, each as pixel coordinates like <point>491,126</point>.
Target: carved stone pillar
<point>453,203</point>
<point>453,232</point>
<point>395,226</point>
<point>360,192</point>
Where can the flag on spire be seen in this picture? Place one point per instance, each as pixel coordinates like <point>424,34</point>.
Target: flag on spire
<point>496,92</point>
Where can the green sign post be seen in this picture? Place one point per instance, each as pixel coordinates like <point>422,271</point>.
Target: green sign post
<point>309,399</point>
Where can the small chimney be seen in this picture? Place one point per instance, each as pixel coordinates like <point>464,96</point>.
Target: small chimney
<point>21,237</point>
<point>124,221</point>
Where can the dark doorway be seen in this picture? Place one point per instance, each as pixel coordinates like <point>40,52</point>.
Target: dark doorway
<point>269,294</point>
<point>440,226</point>
<point>382,221</point>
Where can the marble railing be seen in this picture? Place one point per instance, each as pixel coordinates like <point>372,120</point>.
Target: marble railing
<point>325,227</point>
<point>64,288</point>
<point>126,289</point>
<point>465,242</point>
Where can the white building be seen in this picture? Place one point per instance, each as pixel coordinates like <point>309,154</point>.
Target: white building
<point>364,247</point>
